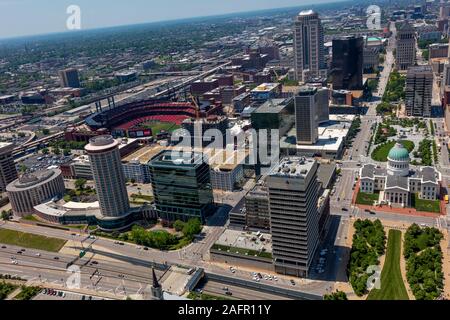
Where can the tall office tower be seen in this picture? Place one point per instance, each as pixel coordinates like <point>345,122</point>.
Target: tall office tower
<point>294,216</point>
<point>181,186</point>
<point>347,63</point>
<point>8,172</point>
<point>444,10</point>
<point>419,91</point>
<point>70,78</point>
<point>104,156</point>
<point>309,46</point>
<point>306,105</point>
<point>406,46</point>
<point>323,104</point>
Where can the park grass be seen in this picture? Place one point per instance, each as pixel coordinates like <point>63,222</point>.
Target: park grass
<point>32,241</point>
<point>367,198</point>
<point>381,152</point>
<point>425,205</point>
<point>392,284</point>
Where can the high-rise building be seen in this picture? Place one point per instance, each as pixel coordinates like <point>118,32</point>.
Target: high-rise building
<point>406,46</point>
<point>181,184</point>
<point>419,91</point>
<point>347,65</point>
<point>104,156</point>
<point>8,172</point>
<point>70,78</point>
<point>308,46</point>
<point>307,105</point>
<point>294,215</point>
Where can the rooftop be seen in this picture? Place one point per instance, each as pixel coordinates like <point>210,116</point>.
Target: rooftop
<point>294,167</point>
<point>246,240</point>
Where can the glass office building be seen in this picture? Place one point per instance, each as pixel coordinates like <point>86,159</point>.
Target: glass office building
<point>181,186</point>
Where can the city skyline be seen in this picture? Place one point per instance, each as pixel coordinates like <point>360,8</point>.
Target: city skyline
<point>46,17</point>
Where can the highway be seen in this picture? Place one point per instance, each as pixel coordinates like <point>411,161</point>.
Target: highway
<point>217,288</point>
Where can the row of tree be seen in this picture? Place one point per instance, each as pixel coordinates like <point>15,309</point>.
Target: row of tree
<point>369,243</point>
<point>423,255</point>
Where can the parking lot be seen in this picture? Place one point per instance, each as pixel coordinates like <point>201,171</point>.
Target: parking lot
<point>51,294</point>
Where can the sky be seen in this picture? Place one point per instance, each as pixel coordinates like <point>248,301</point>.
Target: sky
<point>31,17</point>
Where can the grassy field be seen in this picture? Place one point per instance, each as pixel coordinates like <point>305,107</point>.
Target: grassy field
<point>392,284</point>
<point>32,241</point>
<point>158,126</point>
<point>367,198</point>
<point>425,205</point>
<point>381,152</point>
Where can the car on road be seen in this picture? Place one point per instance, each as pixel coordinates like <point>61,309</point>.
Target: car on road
<point>94,262</point>
<point>19,252</point>
<point>228,293</point>
<point>56,258</point>
<point>3,247</point>
<point>293,282</point>
<point>146,249</point>
<point>14,262</point>
<point>38,254</point>
<point>344,209</point>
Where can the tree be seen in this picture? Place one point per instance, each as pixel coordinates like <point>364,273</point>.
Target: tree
<point>338,295</point>
<point>22,168</point>
<point>192,227</point>
<point>45,151</point>
<point>66,152</point>
<point>45,132</point>
<point>57,151</point>
<point>5,215</point>
<point>178,225</point>
<point>80,184</point>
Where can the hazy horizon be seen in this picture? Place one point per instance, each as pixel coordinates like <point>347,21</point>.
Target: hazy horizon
<point>47,17</point>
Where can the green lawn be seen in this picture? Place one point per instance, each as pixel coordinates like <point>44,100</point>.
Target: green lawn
<point>425,205</point>
<point>392,284</point>
<point>158,126</point>
<point>242,251</point>
<point>381,152</point>
<point>32,241</point>
<point>367,198</point>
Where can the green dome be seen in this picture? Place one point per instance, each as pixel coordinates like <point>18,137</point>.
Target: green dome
<point>398,153</point>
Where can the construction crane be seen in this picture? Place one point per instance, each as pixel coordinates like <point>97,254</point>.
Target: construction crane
<point>197,108</point>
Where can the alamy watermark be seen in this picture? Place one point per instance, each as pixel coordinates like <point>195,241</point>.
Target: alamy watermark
<point>374,17</point>
<point>73,22</point>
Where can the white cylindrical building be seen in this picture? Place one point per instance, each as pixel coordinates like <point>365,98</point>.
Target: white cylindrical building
<point>108,176</point>
<point>33,189</point>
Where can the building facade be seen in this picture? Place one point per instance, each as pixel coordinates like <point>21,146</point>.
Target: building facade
<point>398,185</point>
<point>406,46</point>
<point>308,46</point>
<point>294,216</point>
<point>109,179</point>
<point>348,61</point>
<point>419,91</point>
<point>181,186</point>
<point>8,172</point>
<point>306,107</point>
<point>70,78</point>
<point>33,189</point>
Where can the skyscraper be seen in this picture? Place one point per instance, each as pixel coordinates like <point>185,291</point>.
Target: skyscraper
<point>70,78</point>
<point>8,172</point>
<point>419,91</point>
<point>109,178</point>
<point>347,66</point>
<point>406,46</point>
<point>308,46</point>
<point>307,105</point>
<point>294,215</point>
<point>181,186</point>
